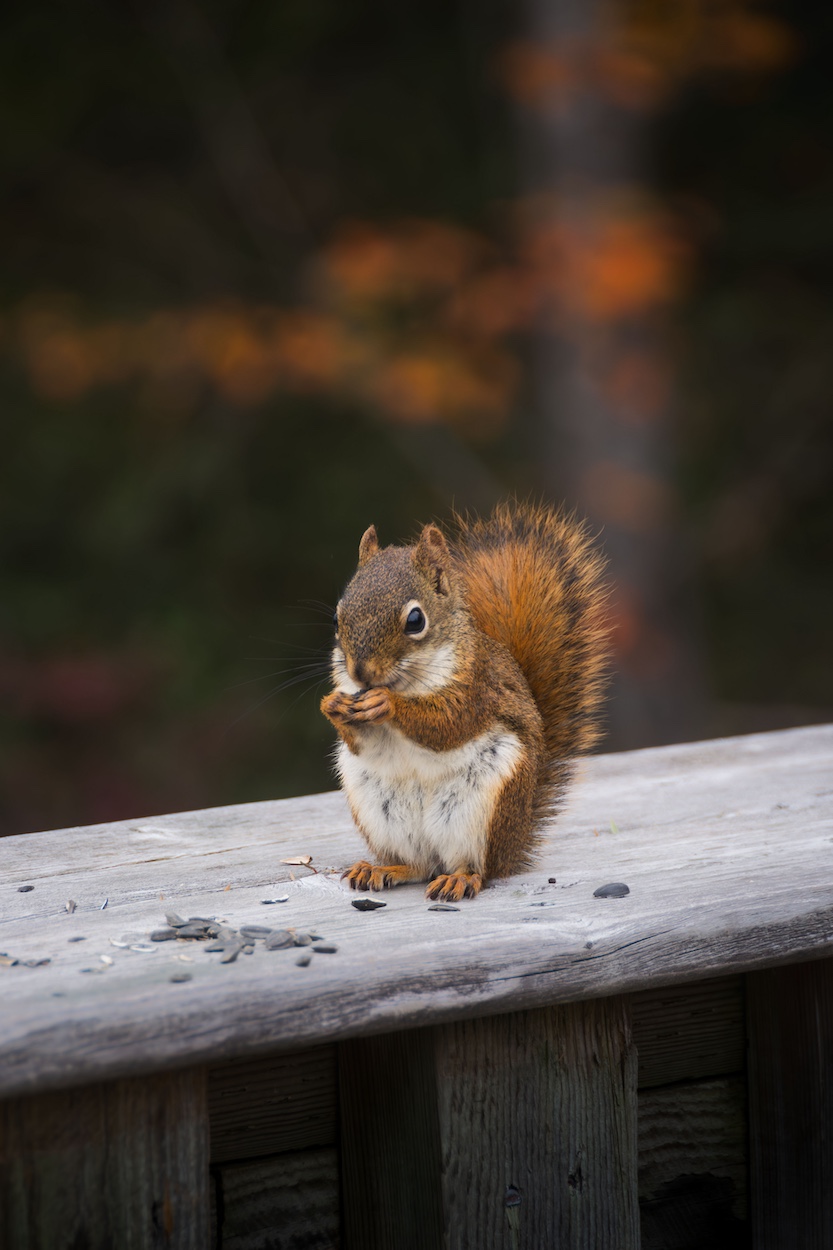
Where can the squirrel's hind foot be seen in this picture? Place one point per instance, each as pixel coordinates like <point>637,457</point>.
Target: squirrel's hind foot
<point>451,887</point>
<point>366,876</point>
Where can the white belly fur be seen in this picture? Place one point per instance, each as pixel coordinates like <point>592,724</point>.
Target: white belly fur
<point>427,808</point>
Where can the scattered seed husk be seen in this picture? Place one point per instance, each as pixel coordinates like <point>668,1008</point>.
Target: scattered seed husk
<point>324,948</point>
<point>181,976</point>
<point>303,960</point>
<point>107,960</point>
<point>104,904</point>
<point>77,939</point>
<point>268,901</point>
<point>443,907</point>
<point>298,861</point>
<point>70,905</point>
<point>367,904</point>
<point>126,940</point>
<point>192,930</point>
<point>231,953</point>
<point>144,946</point>
<point>25,889</point>
<point>35,963</point>
<point>255,930</point>
<point>615,889</point>
<point>278,939</point>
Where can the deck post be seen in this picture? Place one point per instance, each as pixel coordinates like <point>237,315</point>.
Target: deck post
<point>121,1164</point>
<point>789,1013</point>
<point>534,1117</point>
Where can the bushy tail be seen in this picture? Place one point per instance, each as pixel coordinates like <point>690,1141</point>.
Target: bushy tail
<point>534,581</point>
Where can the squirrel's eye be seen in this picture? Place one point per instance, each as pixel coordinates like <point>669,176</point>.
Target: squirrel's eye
<point>415,621</point>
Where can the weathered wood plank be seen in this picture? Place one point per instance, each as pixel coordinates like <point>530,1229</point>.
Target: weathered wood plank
<point>120,1164</point>
<point>289,1202</point>
<point>726,847</point>
<point>538,1128</point>
<point>516,1131</point>
<point>265,1106</point>
<point>790,1023</point>
<point>686,1032</point>
<point>390,1143</point>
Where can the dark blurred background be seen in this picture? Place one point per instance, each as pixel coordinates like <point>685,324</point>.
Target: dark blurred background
<point>277,271</point>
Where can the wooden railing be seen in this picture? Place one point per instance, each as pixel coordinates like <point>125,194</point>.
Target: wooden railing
<point>541,1067</point>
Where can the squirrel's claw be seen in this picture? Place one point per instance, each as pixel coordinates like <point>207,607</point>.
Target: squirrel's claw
<point>365,876</point>
<point>451,887</point>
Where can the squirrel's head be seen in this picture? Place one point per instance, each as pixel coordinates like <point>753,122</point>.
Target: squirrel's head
<point>397,621</point>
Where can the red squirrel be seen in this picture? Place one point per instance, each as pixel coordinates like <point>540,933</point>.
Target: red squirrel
<point>468,674</point>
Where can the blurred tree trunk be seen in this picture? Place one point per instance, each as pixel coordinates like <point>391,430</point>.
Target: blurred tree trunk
<point>600,361</point>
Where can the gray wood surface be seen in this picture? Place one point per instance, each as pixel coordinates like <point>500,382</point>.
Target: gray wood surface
<point>538,1114</point>
<point>727,848</point>
<point>119,1165</point>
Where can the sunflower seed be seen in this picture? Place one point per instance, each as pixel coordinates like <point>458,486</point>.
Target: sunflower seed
<point>163,935</point>
<point>278,939</point>
<point>303,960</point>
<point>323,948</point>
<point>443,907</point>
<point>193,930</point>
<point>77,939</point>
<point>303,939</point>
<point>175,921</point>
<point>254,931</point>
<point>181,976</point>
<point>367,904</point>
<point>25,889</point>
<point>268,901</point>
<point>615,889</point>
<point>231,953</point>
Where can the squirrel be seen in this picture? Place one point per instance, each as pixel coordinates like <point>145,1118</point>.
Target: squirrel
<point>468,674</point>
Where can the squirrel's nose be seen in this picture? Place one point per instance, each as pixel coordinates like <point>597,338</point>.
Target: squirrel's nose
<point>360,672</point>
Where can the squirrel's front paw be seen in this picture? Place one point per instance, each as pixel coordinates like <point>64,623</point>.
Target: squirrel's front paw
<point>451,887</point>
<point>369,707</point>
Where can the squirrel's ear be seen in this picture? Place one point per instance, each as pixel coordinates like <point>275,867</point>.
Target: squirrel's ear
<point>368,546</point>
<point>433,557</point>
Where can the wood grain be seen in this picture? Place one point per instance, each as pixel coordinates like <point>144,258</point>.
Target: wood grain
<point>686,1032</point>
<point>538,1128</point>
<point>121,1164</point>
<point>790,1020</point>
<point>727,848</point>
<point>390,1143</point>
<point>289,1202</point>
<point>265,1106</point>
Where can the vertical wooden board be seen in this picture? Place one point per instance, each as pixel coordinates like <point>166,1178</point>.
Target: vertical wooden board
<point>289,1202</point>
<point>790,1027</point>
<point>390,1146</point>
<point>538,1126</point>
<point>122,1164</point>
